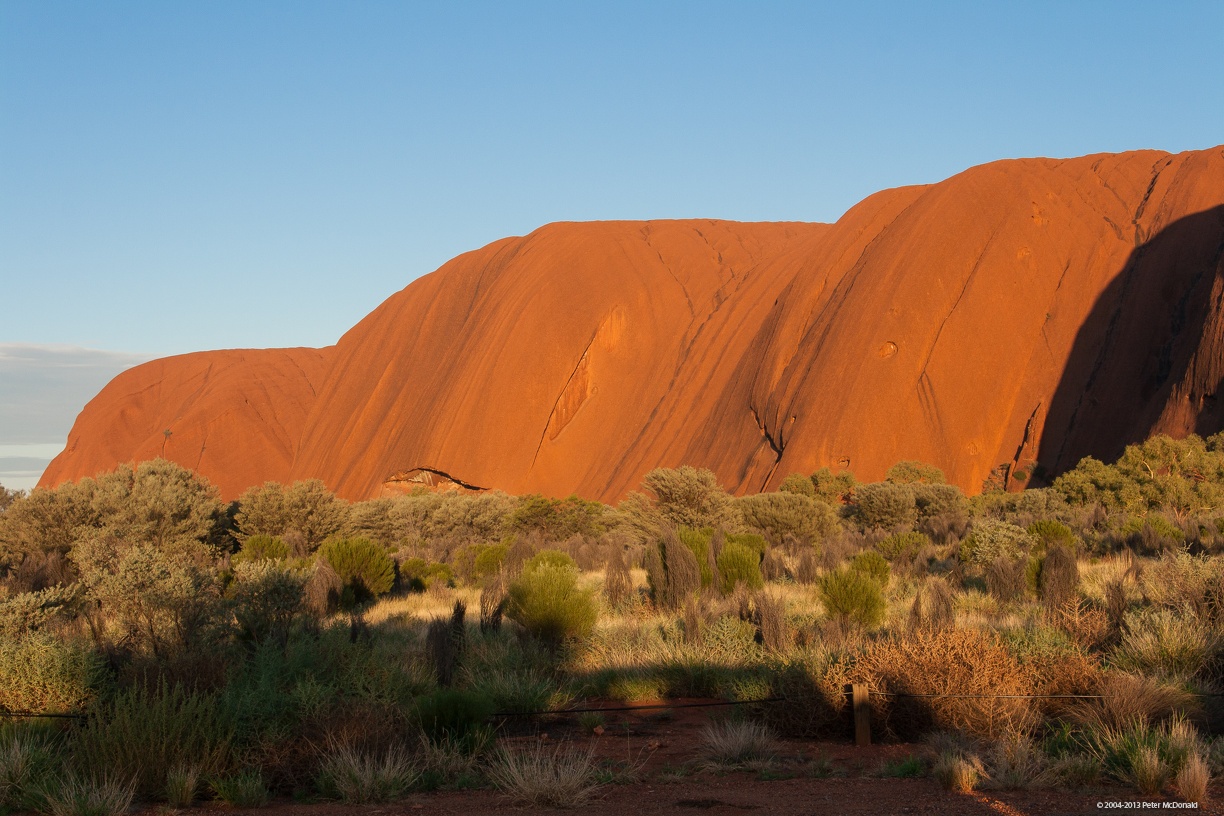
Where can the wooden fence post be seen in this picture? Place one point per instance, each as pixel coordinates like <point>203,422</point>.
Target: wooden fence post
<point>861,705</point>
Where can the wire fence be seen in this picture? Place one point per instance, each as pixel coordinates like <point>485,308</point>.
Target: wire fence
<point>665,705</point>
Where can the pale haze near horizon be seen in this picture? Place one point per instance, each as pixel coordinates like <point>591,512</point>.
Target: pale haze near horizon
<point>177,177</point>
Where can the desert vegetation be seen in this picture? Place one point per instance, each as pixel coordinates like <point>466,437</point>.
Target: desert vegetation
<point>293,644</point>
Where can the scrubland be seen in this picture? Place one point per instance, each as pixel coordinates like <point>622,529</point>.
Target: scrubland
<point>294,645</point>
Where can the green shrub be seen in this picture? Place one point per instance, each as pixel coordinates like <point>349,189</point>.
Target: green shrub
<point>698,542</point>
<point>850,595</point>
<point>903,546</point>
<point>267,599</point>
<point>788,516</point>
<point>44,674</point>
<point>873,565</point>
<point>261,547</point>
<point>750,540</point>
<point>798,483</point>
<point>418,575</point>
<point>451,715</point>
<point>913,472</point>
<point>143,734</point>
<point>546,600</point>
<point>489,560</point>
<point>245,789</point>
<point>364,568</point>
<point>672,572</point>
<point>1050,533</point>
<point>739,564</point>
<point>1059,580</point>
<point>991,539</point>
<point>27,759</point>
<point>885,505</point>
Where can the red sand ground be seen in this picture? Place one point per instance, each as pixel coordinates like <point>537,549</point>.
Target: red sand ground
<point>1022,312</point>
<point>662,747</point>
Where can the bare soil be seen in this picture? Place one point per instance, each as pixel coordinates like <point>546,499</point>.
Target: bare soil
<point>808,778</point>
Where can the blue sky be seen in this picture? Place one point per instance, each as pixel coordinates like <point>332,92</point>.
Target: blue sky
<point>182,176</point>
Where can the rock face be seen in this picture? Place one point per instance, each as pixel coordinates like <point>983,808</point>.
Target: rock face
<point>234,416</point>
<point>1000,324</point>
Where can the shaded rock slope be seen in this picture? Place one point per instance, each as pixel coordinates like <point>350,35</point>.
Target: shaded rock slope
<point>1000,324</point>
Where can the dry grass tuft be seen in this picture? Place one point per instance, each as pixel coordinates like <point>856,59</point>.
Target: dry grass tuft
<point>87,796</point>
<point>736,744</point>
<point>1193,779</point>
<point>357,778</point>
<point>560,777</point>
<point>958,773</point>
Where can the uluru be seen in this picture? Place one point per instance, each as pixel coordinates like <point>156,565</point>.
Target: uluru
<point>1000,324</point>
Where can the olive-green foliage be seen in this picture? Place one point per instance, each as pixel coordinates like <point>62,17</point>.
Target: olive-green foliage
<point>698,542</point>
<point>42,673</point>
<point>1059,580</point>
<point>46,521</point>
<point>158,503</point>
<point>144,733</point>
<point>490,559</point>
<point>546,600</point>
<point>7,497</point>
<point>885,505</point>
<point>672,571</point>
<point>834,488</point>
<point>853,596</point>
<point>161,604</point>
<point>1191,585</point>
<point>991,539</point>
<point>372,519</point>
<point>454,716</point>
<point>1048,533</point>
<point>261,547</point>
<point>162,504</point>
<point>28,759</point>
<point>1151,534</point>
<point>305,512</point>
<point>793,516</point>
<point>873,565</point>
<point>903,546</point>
<point>739,564</point>
<point>750,540</point>
<point>1169,645</point>
<point>452,519</point>
<point>364,567</point>
<point>418,575</point>
<point>559,519</point>
<point>1007,578</point>
<point>913,472</point>
<point>1182,476</point>
<point>798,483</point>
<point>31,611</point>
<point>244,789</point>
<point>267,599</point>
<point>690,497</point>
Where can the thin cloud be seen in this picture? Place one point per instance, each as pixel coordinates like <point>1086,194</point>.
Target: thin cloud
<point>44,387</point>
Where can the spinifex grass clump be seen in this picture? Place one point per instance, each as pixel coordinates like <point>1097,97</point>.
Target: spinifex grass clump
<point>360,778</point>
<point>544,776</point>
<point>87,796</point>
<point>736,744</point>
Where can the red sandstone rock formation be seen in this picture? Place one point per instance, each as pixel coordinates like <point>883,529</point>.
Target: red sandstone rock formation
<point>1010,319</point>
<point>234,416</point>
